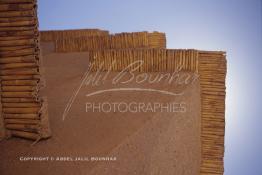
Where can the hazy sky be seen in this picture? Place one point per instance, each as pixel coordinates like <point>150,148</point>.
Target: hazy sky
<point>234,26</point>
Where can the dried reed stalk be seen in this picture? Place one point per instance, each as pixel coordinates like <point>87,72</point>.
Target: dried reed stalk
<point>18,88</point>
<point>21,121</point>
<point>116,41</point>
<point>19,59</point>
<point>23,127</point>
<point>19,70</point>
<point>16,7</point>
<point>31,110</point>
<point>18,100</point>
<point>27,135</point>
<point>20,77</point>
<point>21,116</point>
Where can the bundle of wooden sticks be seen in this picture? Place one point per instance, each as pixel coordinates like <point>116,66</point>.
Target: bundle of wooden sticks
<point>23,110</point>
<point>113,41</point>
<point>53,35</point>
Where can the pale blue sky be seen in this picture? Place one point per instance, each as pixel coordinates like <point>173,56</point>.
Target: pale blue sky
<point>234,26</point>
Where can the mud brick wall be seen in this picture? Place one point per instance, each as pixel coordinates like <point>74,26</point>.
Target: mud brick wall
<point>211,68</point>
<point>24,110</point>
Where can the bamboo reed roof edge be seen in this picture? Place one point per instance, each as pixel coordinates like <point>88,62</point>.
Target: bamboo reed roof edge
<point>83,29</point>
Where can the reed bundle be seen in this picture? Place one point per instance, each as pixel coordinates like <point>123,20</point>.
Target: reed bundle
<point>212,71</point>
<point>116,41</point>
<point>153,60</point>
<point>21,116</point>
<point>19,100</point>
<point>52,36</point>
<point>2,125</point>
<point>17,1</point>
<point>23,110</point>
<point>16,6</point>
